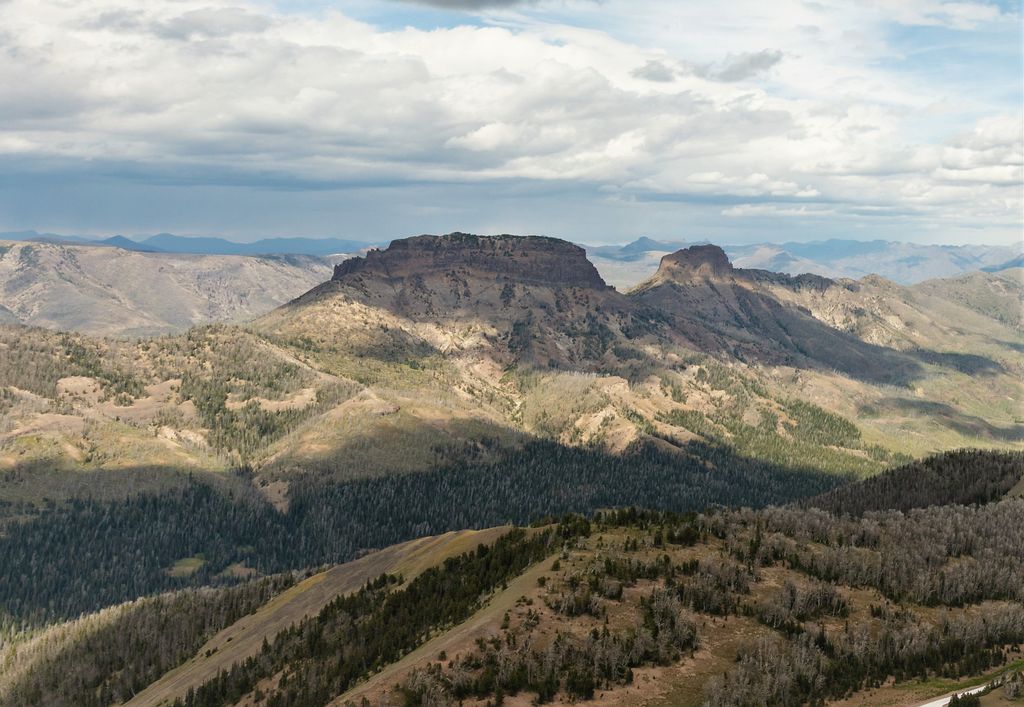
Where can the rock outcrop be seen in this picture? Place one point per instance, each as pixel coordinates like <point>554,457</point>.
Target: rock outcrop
<point>695,262</point>
<point>703,263</point>
<point>526,260</point>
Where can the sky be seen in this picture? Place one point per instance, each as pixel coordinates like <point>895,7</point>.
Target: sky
<point>598,121</point>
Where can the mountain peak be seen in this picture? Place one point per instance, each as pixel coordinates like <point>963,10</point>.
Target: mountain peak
<point>537,260</point>
<point>645,245</point>
<point>695,262</point>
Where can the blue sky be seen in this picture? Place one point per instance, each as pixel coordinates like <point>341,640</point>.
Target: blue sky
<point>594,121</point>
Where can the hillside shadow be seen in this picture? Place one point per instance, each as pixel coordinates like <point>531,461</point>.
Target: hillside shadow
<point>1015,345</point>
<point>93,552</point>
<point>756,327</point>
<point>971,364</point>
<point>967,425</point>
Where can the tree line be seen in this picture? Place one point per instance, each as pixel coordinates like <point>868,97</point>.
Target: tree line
<point>963,477</point>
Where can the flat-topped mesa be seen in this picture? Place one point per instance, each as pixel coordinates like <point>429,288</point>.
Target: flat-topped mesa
<point>699,262</point>
<point>532,260</point>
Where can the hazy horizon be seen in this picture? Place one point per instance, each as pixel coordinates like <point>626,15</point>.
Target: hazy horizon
<point>693,240</point>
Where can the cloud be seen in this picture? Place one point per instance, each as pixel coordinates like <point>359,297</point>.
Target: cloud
<point>212,22</point>
<point>655,71</point>
<point>751,184</point>
<point>738,67</point>
<point>778,211</point>
<point>469,4</point>
<point>207,92</point>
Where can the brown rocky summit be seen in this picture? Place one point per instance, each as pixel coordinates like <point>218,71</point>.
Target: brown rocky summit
<point>527,260</point>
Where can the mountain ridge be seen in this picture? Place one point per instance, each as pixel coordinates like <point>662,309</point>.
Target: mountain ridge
<point>628,265</point>
<point>200,245</point>
<point>113,291</point>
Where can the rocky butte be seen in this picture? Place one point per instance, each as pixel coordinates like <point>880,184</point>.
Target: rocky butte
<point>527,260</point>
<point>695,262</point>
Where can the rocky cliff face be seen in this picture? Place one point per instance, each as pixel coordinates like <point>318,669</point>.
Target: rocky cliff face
<point>699,262</point>
<point>527,260</point>
<point>539,300</point>
<point>516,297</point>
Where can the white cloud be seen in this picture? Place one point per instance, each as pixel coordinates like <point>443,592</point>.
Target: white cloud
<point>655,71</point>
<point>789,102</point>
<point>738,67</point>
<point>775,210</point>
<point>212,22</point>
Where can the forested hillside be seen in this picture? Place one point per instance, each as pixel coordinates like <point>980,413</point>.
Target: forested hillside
<point>96,553</point>
<point>781,606</point>
<point>107,657</point>
<point>634,591</point>
<point>961,477</point>
<point>786,605</point>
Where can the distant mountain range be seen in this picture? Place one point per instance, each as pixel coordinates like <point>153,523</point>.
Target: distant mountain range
<point>200,245</point>
<point>1017,262</point>
<point>904,263</point>
<point>625,266</point>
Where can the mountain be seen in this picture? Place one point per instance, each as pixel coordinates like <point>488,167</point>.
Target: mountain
<point>999,295</point>
<point>268,246</point>
<point>635,250</point>
<point>776,259</point>
<point>53,238</point>
<point>113,291</point>
<point>199,245</point>
<point>533,299</point>
<point>1017,262</point>
<point>127,244</point>
<point>442,349</point>
<point>750,315</point>
<point>904,263</point>
<point>460,382</point>
<point>36,237</point>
